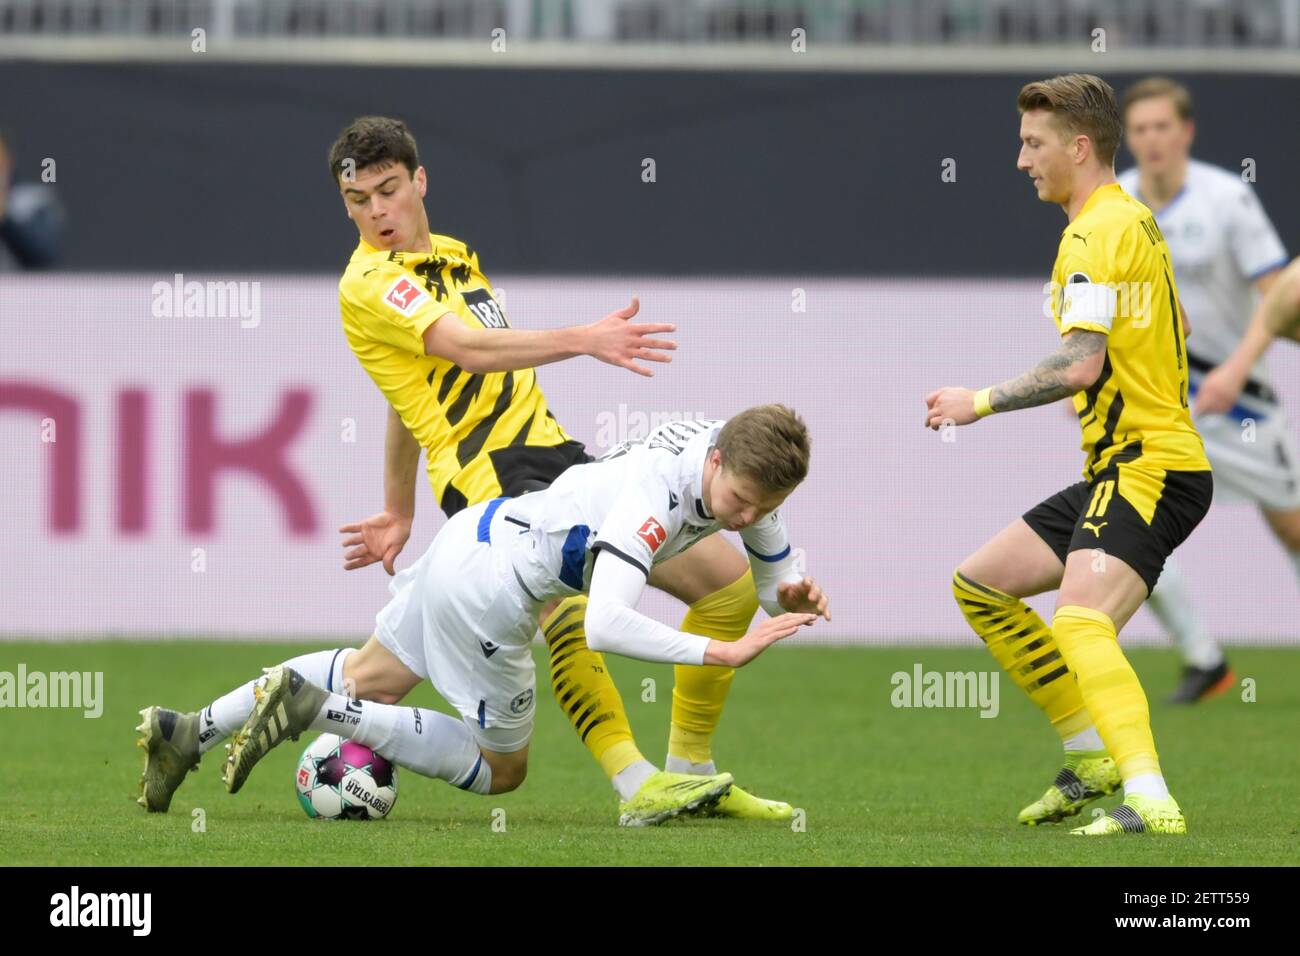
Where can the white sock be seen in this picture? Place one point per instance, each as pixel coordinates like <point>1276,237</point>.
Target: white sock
<point>1087,739</point>
<point>1147,785</point>
<point>683,765</point>
<point>629,780</point>
<point>226,714</point>
<point>1172,605</point>
<point>432,744</point>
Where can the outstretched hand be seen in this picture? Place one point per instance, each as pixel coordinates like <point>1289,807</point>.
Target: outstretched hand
<point>954,405</point>
<point>616,340</point>
<point>741,652</point>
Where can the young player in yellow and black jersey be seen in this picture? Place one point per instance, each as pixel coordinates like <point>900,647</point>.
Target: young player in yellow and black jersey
<point>1102,541</point>
<point>487,433</point>
<point>421,317</point>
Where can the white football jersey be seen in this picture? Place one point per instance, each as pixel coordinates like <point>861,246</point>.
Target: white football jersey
<point>1221,241</point>
<point>643,502</point>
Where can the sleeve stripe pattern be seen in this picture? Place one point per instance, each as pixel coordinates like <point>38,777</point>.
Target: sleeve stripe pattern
<point>600,545</point>
<point>1260,273</point>
<point>769,557</point>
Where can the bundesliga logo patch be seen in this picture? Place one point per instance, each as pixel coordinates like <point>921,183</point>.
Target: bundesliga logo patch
<point>653,534</point>
<point>405,296</point>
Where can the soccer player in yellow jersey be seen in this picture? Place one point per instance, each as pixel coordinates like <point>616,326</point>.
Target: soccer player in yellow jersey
<point>421,317</point>
<point>1102,541</point>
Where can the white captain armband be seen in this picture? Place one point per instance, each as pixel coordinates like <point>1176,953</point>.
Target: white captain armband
<point>1085,303</point>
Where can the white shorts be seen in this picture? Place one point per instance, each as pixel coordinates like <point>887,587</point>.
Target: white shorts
<point>459,618</point>
<point>1254,456</point>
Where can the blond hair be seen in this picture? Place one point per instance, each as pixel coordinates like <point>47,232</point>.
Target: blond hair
<point>1082,104</point>
<point>767,444</point>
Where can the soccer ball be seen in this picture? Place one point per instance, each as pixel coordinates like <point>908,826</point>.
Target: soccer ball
<point>343,780</point>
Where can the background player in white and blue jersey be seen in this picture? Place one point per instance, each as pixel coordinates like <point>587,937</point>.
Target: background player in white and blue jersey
<point>1225,251</point>
<point>464,615</point>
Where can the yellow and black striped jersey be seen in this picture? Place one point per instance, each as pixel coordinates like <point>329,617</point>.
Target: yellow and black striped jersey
<point>387,301</point>
<point>1113,275</point>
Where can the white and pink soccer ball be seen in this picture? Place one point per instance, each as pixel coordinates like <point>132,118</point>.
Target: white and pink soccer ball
<point>340,779</point>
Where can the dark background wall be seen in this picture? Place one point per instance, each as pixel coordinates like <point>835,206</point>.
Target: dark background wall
<point>222,166</point>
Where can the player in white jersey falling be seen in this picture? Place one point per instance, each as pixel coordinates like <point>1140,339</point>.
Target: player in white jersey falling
<point>464,615</point>
<point>1224,249</point>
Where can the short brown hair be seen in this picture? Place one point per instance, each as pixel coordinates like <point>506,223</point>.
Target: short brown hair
<point>1154,86</point>
<point>372,141</point>
<point>767,444</point>
<point>1083,104</point>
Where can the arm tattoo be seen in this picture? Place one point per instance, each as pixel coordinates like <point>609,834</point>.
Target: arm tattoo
<point>1046,382</point>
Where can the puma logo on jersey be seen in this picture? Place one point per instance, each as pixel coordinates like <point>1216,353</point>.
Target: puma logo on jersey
<point>653,534</point>
<point>1095,528</point>
<point>1083,239</point>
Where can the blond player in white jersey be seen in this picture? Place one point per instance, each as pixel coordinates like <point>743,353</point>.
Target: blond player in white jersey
<point>464,615</point>
<point>1225,251</point>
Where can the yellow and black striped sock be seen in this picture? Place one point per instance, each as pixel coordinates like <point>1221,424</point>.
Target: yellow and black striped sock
<point>700,692</point>
<point>584,690</point>
<point>1108,685</point>
<point>1025,647</point>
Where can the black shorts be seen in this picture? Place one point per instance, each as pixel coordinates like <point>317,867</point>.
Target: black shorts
<point>1108,514</point>
<point>522,468</point>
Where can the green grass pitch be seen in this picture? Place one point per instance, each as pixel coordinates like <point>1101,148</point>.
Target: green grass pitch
<point>814,726</point>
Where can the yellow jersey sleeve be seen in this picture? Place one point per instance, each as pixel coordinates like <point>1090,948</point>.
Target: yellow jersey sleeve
<point>1087,291</point>
<point>385,303</point>
<point>476,428</point>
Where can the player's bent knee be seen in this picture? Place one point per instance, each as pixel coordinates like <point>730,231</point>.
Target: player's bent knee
<point>509,770</point>
<point>970,594</point>
<point>513,782</point>
<point>975,568</point>
<point>963,577</point>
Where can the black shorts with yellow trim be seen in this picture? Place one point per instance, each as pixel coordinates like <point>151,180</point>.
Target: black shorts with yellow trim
<point>1131,511</point>
<point>523,468</point>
